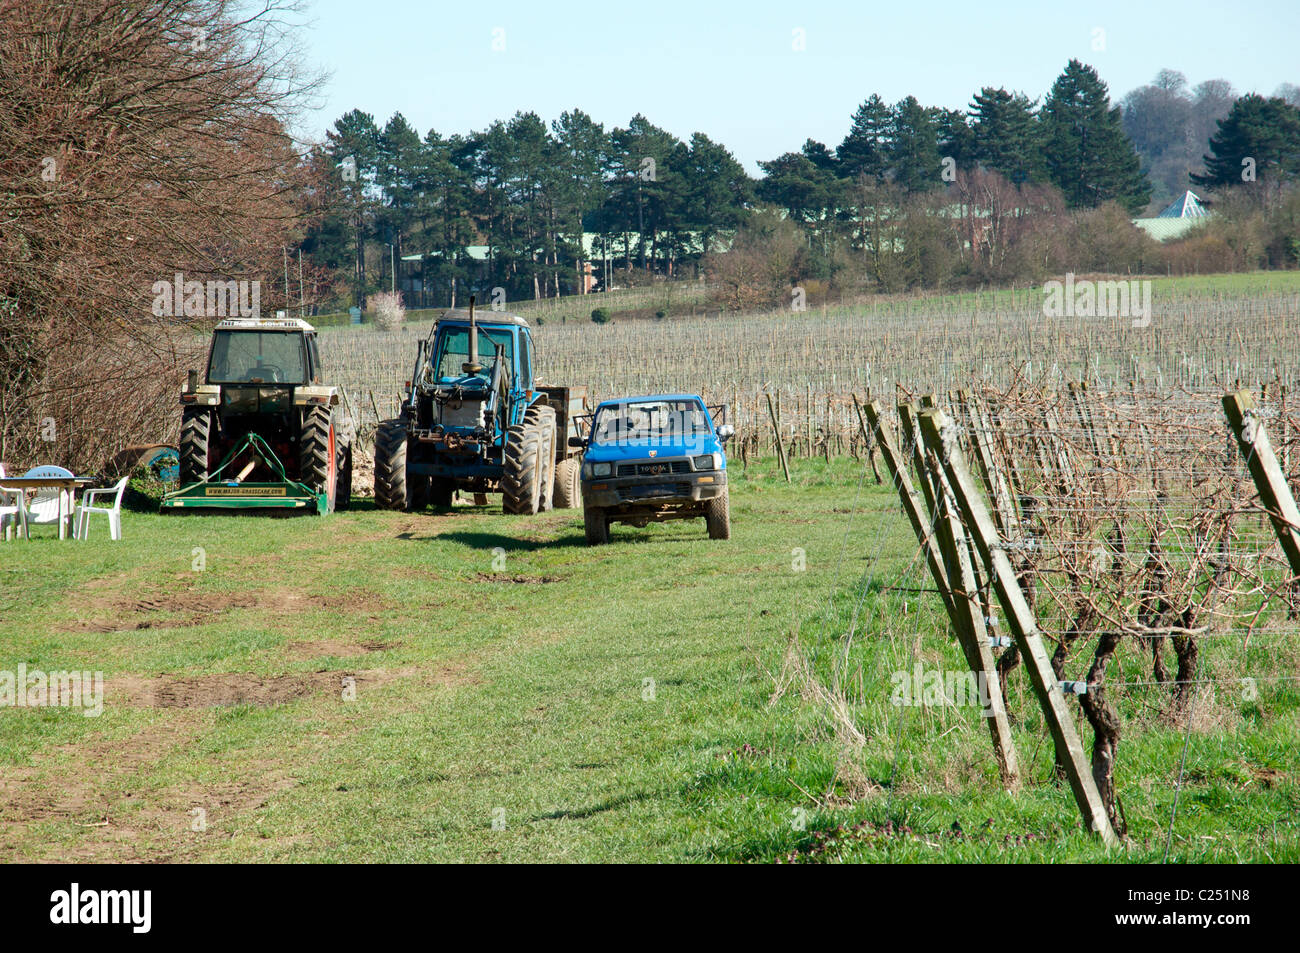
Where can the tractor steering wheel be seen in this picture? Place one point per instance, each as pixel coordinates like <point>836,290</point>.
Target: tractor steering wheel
<point>277,373</point>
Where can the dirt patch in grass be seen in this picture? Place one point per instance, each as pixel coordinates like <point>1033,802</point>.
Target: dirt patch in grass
<point>104,612</point>
<point>243,688</point>
<point>515,579</point>
<point>336,648</point>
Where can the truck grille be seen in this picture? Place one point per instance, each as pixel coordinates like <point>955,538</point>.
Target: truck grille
<point>653,469</point>
<point>654,490</point>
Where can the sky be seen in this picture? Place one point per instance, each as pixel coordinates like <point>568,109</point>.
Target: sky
<point>760,77</point>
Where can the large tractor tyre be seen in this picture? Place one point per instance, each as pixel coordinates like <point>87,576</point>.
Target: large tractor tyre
<point>441,493</point>
<point>196,427</point>
<point>717,516</point>
<point>521,481</point>
<point>596,523</point>
<point>318,455</point>
<point>543,417</point>
<point>343,495</point>
<point>390,465</point>
<point>568,483</point>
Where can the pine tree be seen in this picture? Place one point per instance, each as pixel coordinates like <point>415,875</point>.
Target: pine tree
<point>863,151</point>
<point>1005,135</point>
<point>1088,156</point>
<point>1259,134</point>
<point>914,161</point>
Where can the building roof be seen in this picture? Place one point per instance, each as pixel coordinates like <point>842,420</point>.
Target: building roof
<point>1187,205</point>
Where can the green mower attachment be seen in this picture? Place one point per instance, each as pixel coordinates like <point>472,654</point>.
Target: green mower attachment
<point>216,493</point>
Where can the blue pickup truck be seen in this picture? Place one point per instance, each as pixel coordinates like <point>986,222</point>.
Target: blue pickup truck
<point>655,458</point>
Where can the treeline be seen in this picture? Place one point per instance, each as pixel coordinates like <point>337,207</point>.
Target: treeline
<point>913,195</point>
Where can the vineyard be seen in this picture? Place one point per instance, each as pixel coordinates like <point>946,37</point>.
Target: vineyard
<point>813,363</point>
<point>1130,544</point>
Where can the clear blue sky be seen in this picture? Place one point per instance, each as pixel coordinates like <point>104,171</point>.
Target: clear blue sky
<point>729,69</point>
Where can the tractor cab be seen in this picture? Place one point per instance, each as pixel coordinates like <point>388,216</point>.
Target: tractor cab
<point>473,376</point>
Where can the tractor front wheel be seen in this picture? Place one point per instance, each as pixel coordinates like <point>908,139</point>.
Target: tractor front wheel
<point>596,524</point>
<point>318,455</point>
<point>390,465</point>
<point>196,427</point>
<point>568,485</point>
<point>524,468</point>
<point>542,416</point>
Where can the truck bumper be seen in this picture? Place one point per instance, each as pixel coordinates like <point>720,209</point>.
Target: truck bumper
<point>641,492</point>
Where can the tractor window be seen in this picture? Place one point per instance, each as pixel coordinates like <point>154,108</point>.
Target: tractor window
<point>525,361</point>
<point>257,357</point>
<point>453,351</point>
<point>317,374</point>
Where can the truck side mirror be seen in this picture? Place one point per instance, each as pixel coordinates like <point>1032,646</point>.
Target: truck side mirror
<point>577,443</point>
<point>726,432</point>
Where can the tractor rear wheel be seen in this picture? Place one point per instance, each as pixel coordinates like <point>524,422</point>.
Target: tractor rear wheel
<point>196,426</point>
<point>343,495</point>
<point>568,486</point>
<point>318,455</point>
<point>717,516</point>
<point>390,465</point>
<point>596,524</point>
<point>542,416</point>
<point>521,483</point>
<point>441,493</point>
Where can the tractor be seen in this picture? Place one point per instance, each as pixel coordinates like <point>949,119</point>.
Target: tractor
<point>263,430</point>
<point>475,419</point>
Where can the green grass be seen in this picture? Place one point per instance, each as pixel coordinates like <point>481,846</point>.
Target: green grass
<point>601,704</point>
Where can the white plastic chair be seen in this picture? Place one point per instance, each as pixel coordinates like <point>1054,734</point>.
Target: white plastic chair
<point>46,503</point>
<point>13,509</point>
<point>114,513</point>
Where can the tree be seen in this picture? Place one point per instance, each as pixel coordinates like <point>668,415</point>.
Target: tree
<point>1258,135</point>
<point>583,150</point>
<point>140,140</point>
<point>1004,134</point>
<point>913,148</point>
<point>353,144</point>
<point>1158,120</point>
<point>1088,156</point>
<point>864,149</point>
<point>716,190</point>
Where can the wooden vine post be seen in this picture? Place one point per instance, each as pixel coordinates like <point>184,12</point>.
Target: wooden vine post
<point>776,432</point>
<point>1270,480</point>
<point>942,438</point>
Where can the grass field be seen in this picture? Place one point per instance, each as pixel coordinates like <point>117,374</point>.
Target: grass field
<point>664,698</point>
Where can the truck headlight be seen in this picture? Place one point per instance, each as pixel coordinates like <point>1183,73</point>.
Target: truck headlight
<point>707,462</point>
<point>600,469</point>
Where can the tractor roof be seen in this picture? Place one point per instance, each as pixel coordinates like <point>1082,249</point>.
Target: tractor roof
<point>484,317</point>
<point>264,324</point>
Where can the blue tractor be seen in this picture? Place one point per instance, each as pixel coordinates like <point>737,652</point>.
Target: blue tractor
<point>475,419</point>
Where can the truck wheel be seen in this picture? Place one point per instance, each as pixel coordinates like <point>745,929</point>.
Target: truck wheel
<point>543,417</point>
<point>521,482</point>
<point>568,486</point>
<point>596,525</point>
<point>441,493</point>
<point>317,455</point>
<point>196,425</point>
<point>717,515</point>
<point>343,495</point>
<point>390,465</point>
